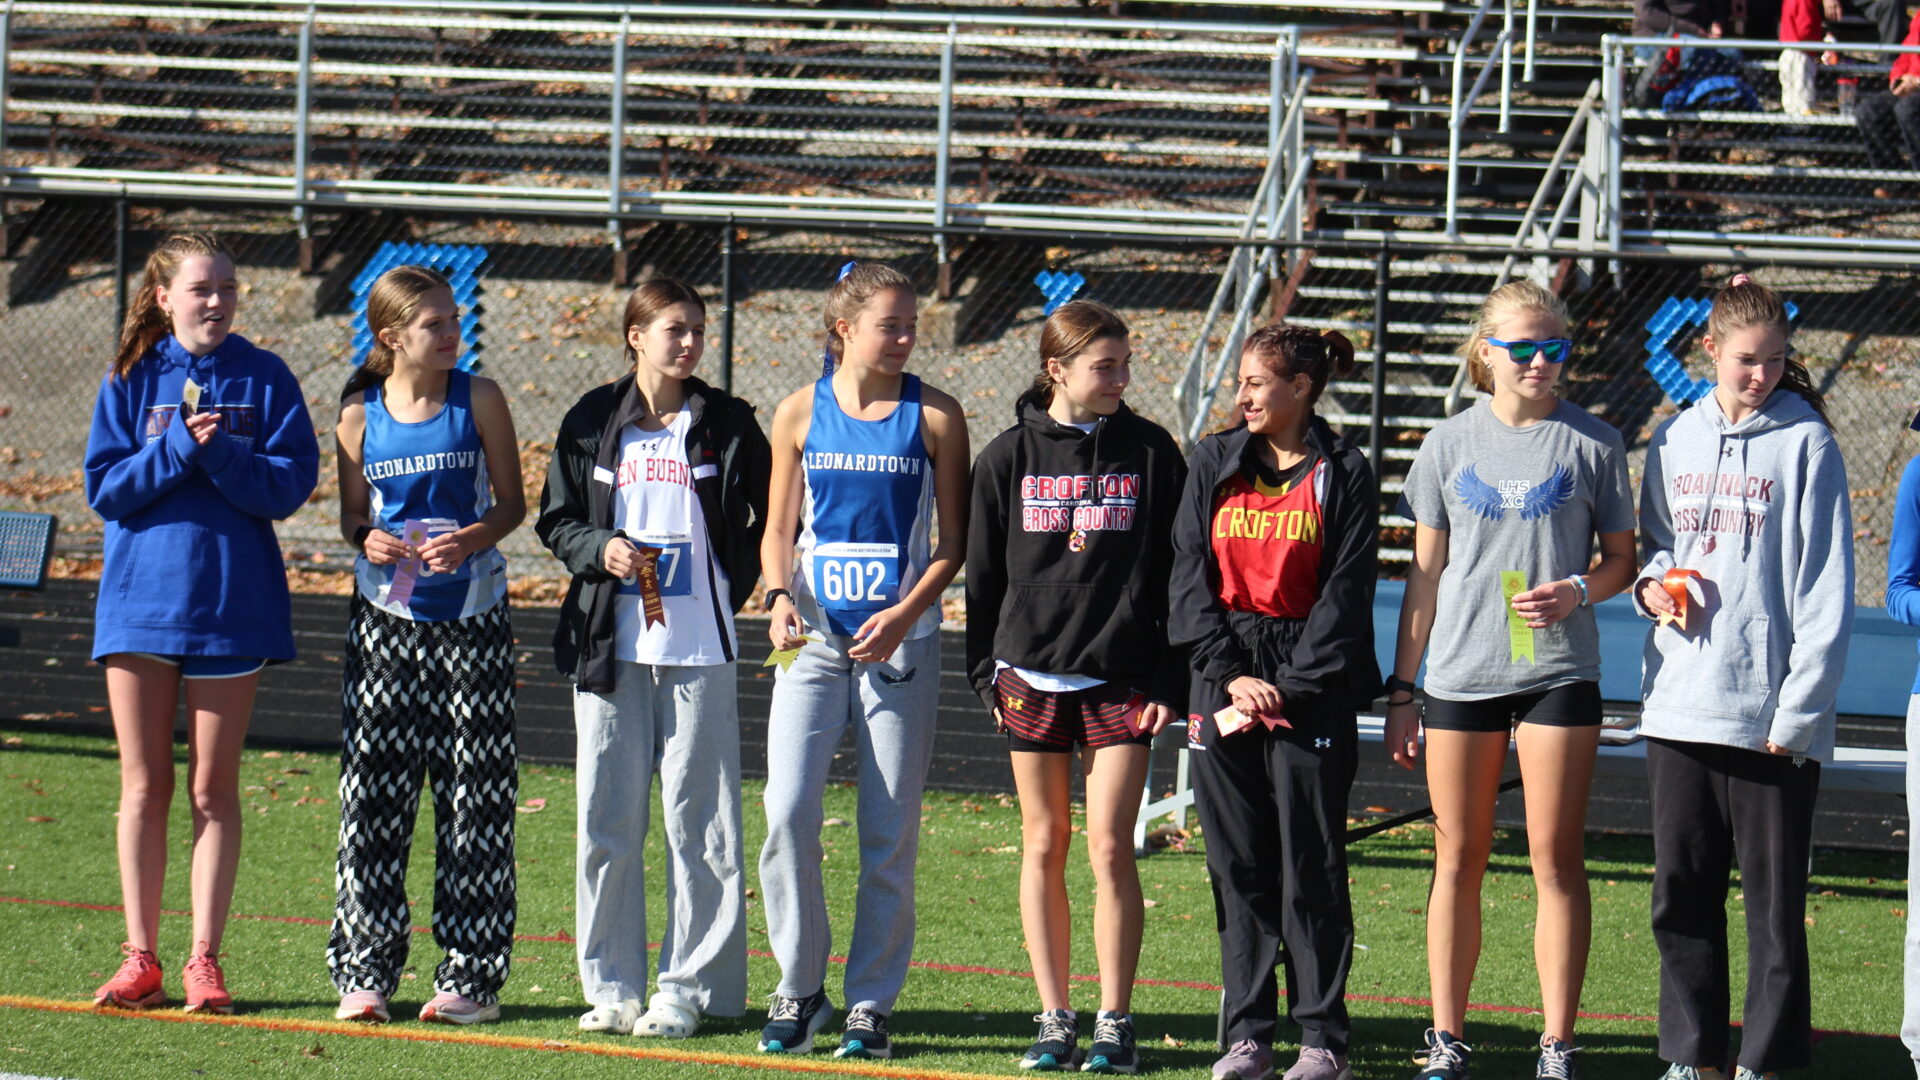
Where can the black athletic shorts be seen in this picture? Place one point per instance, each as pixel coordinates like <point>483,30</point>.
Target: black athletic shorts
<point>1573,705</point>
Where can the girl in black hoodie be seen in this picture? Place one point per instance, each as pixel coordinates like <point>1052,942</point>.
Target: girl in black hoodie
<point>1275,556</point>
<point>1067,565</point>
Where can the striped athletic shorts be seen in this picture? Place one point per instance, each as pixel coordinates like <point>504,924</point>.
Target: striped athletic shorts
<point>1051,723</point>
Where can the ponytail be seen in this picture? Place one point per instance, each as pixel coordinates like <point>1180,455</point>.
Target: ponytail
<point>146,324</point>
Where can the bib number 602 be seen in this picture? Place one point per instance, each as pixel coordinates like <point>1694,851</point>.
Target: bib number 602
<point>853,581</point>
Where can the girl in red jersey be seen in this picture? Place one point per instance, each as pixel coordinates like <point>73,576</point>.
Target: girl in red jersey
<point>1067,644</point>
<point>1275,555</point>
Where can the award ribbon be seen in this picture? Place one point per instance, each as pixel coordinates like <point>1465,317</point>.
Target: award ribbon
<point>1519,634</point>
<point>784,658</point>
<point>649,574</point>
<point>1675,582</point>
<point>1230,720</point>
<point>407,574</point>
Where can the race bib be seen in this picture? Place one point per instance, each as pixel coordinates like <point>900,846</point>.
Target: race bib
<point>674,564</point>
<point>856,577</point>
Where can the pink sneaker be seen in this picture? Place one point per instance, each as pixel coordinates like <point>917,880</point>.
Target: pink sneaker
<point>207,985</point>
<point>367,1006</point>
<point>136,985</point>
<point>448,1008</point>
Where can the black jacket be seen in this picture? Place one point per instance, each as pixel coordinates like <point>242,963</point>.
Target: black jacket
<point>576,510</point>
<point>1036,603</point>
<point>1325,659</point>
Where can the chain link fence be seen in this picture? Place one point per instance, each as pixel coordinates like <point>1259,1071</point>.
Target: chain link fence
<point>549,330</point>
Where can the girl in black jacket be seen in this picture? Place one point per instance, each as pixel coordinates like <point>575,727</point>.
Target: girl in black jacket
<point>1275,556</point>
<point>1067,565</point>
<point>656,500</point>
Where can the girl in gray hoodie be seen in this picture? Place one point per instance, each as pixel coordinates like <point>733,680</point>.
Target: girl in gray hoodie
<point>1749,574</point>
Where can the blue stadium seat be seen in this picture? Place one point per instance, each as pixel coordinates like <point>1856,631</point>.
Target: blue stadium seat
<point>26,545</point>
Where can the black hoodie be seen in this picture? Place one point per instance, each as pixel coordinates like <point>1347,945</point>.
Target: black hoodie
<point>1068,550</point>
<point>576,510</point>
<point>1324,660</point>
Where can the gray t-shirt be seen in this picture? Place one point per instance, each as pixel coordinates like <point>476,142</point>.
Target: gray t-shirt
<point>1527,499</point>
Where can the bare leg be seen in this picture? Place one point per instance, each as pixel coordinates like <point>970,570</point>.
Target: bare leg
<point>1557,764</point>
<point>1114,778</point>
<point>1463,778</point>
<point>1043,782</point>
<point>141,694</point>
<point>219,710</point>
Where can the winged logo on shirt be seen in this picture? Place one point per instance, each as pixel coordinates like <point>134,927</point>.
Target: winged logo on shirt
<point>1534,501</point>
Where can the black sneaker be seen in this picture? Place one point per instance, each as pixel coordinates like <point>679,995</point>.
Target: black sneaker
<point>1446,1057</point>
<point>1058,1044</point>
<point>1112,1050</point>
<point>1556,1060</point>
<point>865,1035</point>
<point>791,1023</point>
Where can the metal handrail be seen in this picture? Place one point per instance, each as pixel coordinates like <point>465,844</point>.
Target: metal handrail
<point>1523,236</point>
<point>1278,156</point>
<point>1463,104</point>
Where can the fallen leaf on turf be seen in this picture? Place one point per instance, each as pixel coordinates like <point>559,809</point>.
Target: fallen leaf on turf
<point>314,1051</point>
<point>41,819</point>
<point>1168,1040</point>
<point>532,806</point>
<point>1150,902</point>
<point>839,821</point>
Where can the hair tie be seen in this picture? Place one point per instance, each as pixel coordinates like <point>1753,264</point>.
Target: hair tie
<point>1739,280</point>
<point>844,271</point>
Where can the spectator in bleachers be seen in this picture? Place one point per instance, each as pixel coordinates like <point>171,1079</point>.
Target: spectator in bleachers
<point>1889,120</point>
<point>1680,18</point>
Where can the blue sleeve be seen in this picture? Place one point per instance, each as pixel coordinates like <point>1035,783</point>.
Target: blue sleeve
<point>1903,551</point>
<point>275,479</point>
<point>126,471</point>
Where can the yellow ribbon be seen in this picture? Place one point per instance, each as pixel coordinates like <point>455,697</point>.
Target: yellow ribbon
<point>1519,634</point>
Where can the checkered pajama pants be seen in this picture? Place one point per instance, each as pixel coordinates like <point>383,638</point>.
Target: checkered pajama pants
<point>432,700</point>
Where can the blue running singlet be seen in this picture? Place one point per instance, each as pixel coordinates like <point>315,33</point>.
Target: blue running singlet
<point>866,520</point>
<point>434,471</point>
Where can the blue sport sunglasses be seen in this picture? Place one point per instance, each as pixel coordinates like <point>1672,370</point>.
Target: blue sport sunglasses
<point>1552,350</point>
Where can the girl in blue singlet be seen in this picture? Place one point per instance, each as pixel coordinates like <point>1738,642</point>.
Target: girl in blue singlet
<point>429,484</point>
<point>864,461</point>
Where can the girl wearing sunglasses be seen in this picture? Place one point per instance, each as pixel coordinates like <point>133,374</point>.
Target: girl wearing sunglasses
<point>1507,498</point>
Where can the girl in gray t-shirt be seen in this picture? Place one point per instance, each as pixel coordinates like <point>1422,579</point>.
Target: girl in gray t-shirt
<point>1507,498</point>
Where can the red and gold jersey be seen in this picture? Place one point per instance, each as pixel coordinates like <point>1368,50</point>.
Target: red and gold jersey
<point>1267,542</point>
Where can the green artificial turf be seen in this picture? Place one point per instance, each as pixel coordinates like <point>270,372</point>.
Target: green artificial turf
<point>56,843</point>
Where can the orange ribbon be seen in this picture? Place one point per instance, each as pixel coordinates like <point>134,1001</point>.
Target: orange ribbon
<point>1676,585</point>
<point>649,574</point>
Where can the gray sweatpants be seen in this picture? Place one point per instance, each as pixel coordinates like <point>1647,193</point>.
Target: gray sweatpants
<point>683,723</point>
<point>1910,1023</point>
<point>890,708</point>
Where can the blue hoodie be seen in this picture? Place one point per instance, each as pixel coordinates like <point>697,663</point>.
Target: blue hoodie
<point>192,564</point>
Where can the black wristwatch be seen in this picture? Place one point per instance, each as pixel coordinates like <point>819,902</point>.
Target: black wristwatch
<point>1395,682</point>
<point>360,537</point>
<point>773,595</point>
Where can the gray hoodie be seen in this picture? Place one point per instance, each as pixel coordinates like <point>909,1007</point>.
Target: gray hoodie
<point>1760,509</point>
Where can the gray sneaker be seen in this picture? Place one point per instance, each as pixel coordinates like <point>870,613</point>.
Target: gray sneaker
<point>1245,1060</point>
<point>1741,1072</point>
<point>1689,1072</point>
<point>1319,1063</point>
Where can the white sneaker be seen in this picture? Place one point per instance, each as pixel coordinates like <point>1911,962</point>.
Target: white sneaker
<point>617,1018</point>
<point>668,1016</point>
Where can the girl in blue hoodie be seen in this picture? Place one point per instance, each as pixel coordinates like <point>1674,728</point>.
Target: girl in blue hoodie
<point>1745,524</point>
<point>429,484</point>
<point>200,441</point>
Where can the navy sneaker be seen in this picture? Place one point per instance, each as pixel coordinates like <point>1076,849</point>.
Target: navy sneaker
<point>1446,1057</point>
<point>865,1035</point>
<point>791,1023</point>
<point>1058,1044</point>
<point>1112,1050</point>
